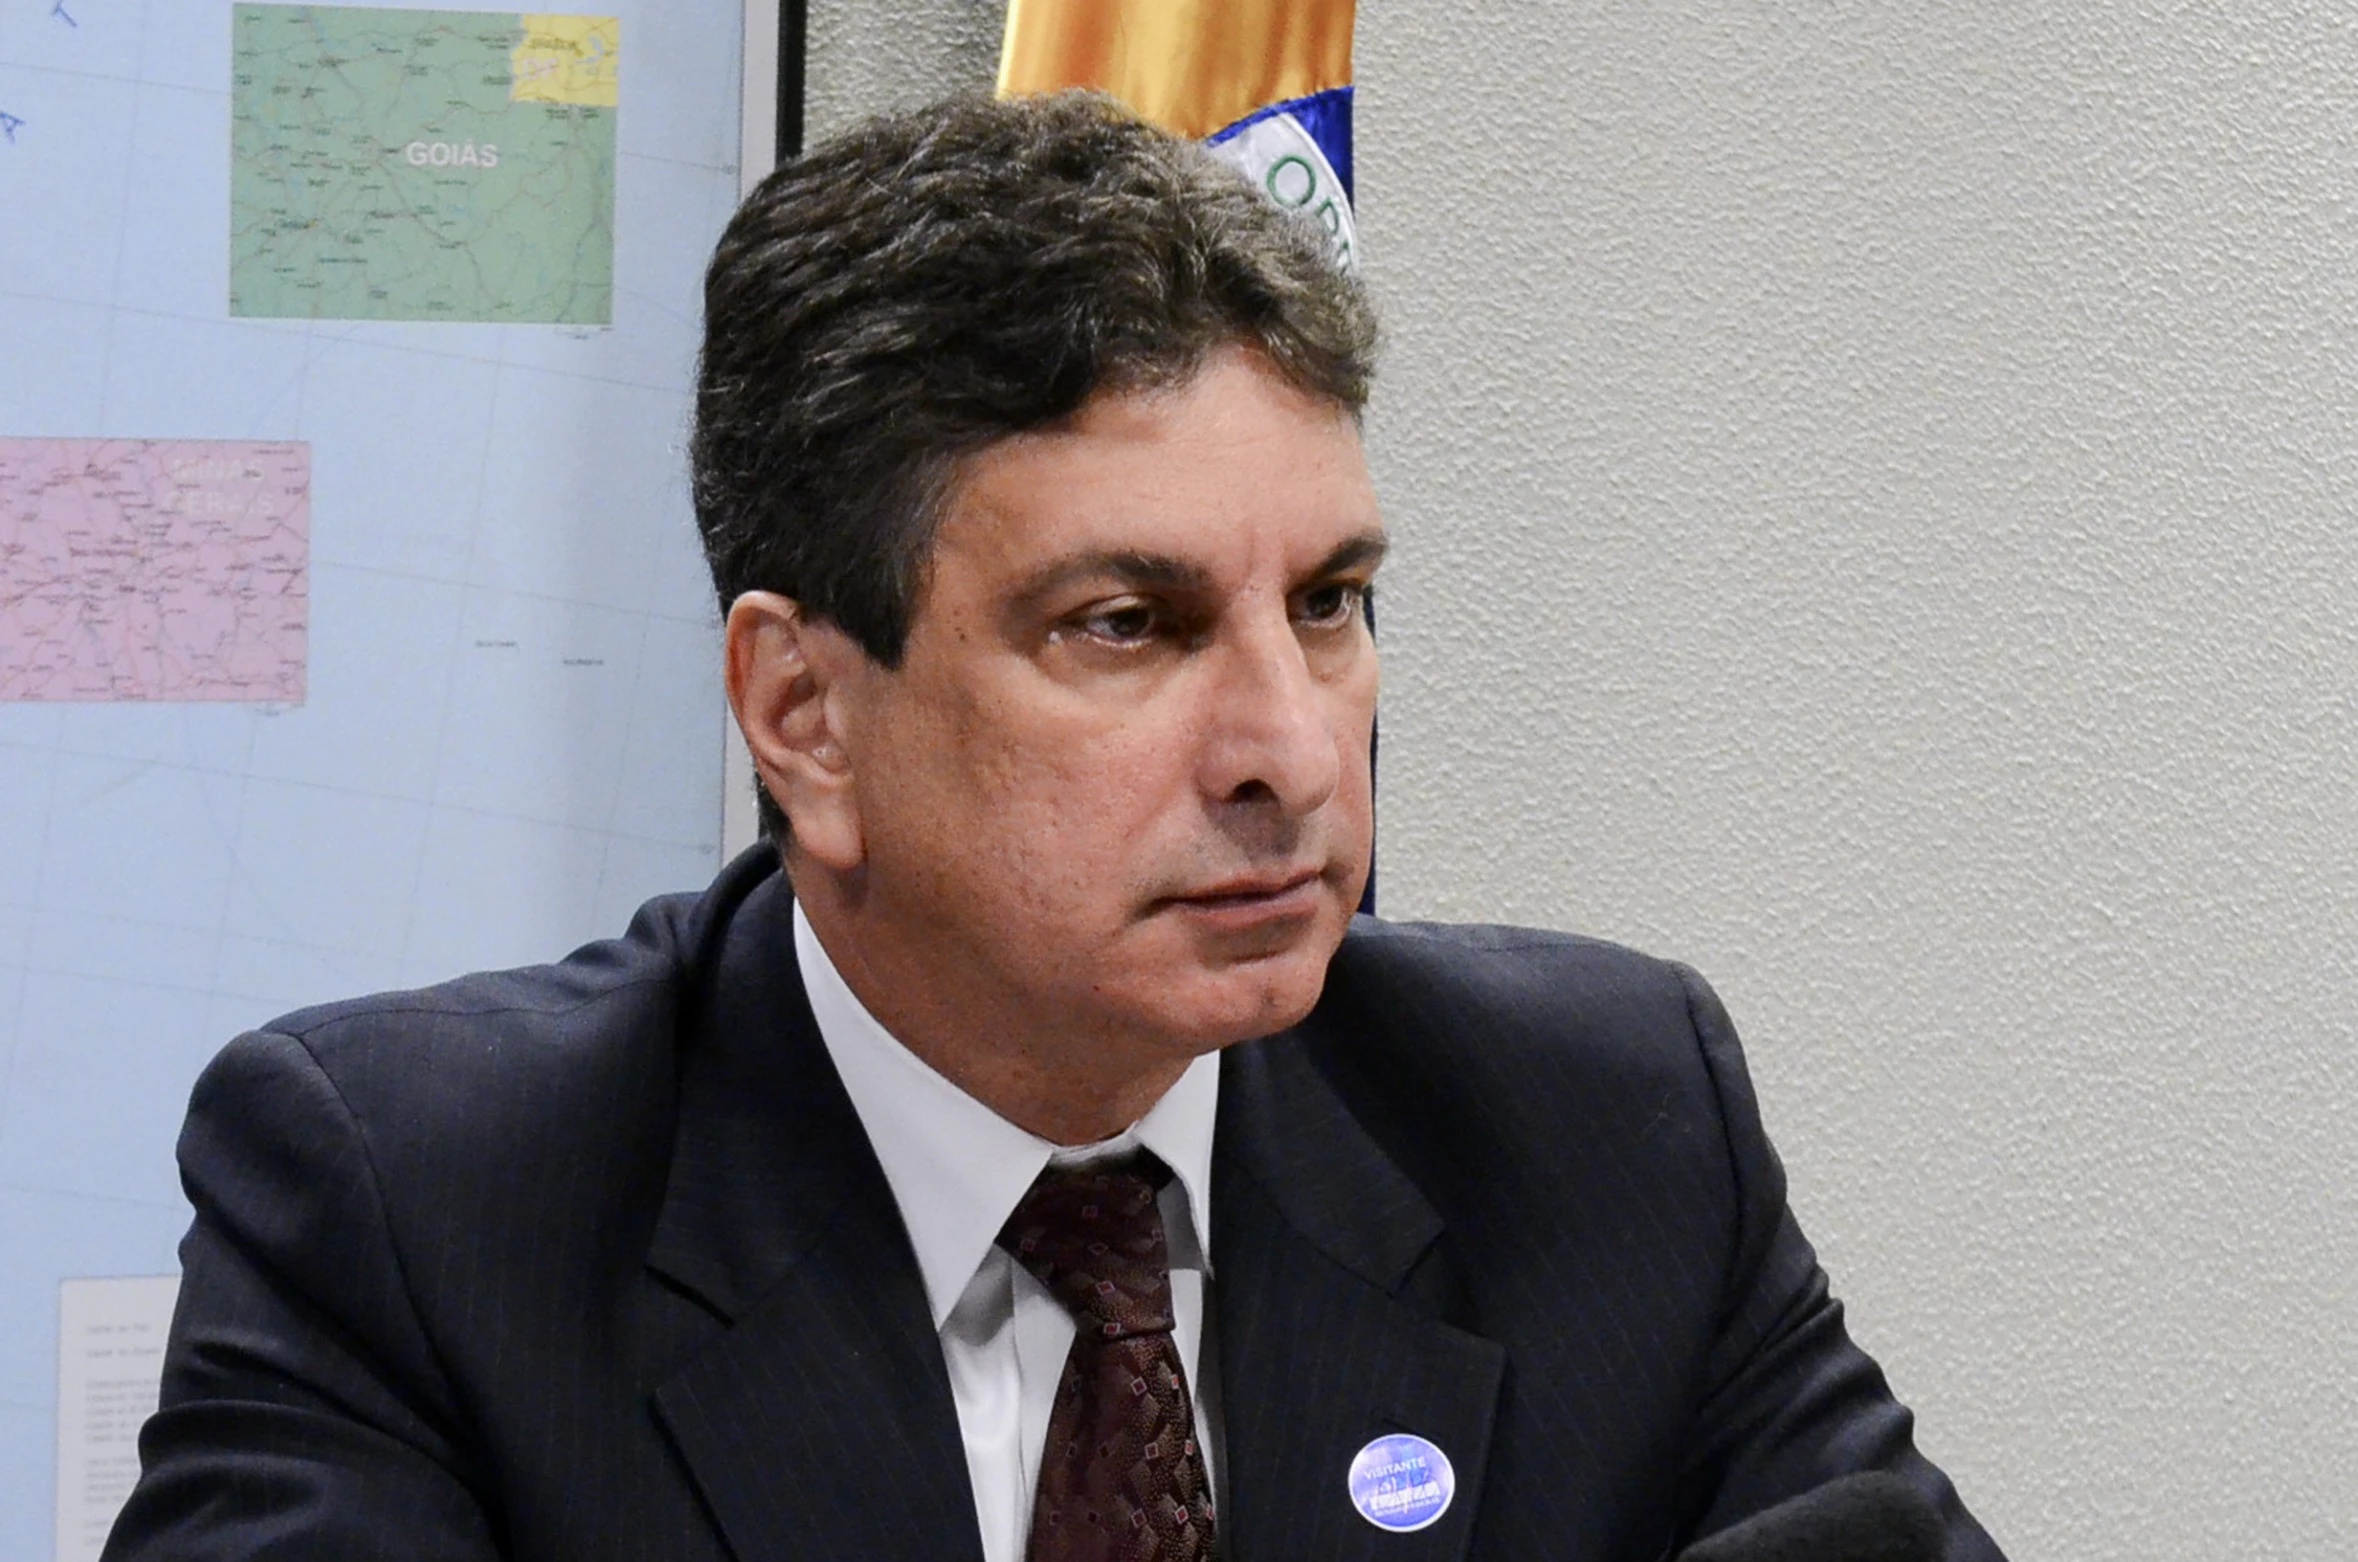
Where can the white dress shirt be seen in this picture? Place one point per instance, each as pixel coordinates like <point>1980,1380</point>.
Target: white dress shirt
<point>957,1170</point>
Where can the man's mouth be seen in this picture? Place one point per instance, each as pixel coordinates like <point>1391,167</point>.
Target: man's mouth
<point>1253,897</point>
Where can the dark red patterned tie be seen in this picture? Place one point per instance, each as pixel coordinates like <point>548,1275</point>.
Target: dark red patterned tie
<point>1122,1477</point>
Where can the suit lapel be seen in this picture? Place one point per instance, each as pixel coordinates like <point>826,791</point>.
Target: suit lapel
<point>1315,1233</point>
<point>820,1422</point>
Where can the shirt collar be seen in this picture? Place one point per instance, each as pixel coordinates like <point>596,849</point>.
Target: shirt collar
<point>957,1169</point>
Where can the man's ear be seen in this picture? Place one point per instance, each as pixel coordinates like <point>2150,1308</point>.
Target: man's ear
<point>787,675</point>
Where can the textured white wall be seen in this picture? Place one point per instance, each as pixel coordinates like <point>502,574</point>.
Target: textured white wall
<point>1874,490</point>
<point>867,56</point>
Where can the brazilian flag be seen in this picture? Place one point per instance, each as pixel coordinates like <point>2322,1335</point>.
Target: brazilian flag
<point>1267,83</point>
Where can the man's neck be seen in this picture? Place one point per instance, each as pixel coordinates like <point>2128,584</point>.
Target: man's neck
<point>1068,1089</point>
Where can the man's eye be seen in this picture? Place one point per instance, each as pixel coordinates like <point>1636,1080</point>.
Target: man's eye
<point>1332,606</point>
<point>1121,623</point>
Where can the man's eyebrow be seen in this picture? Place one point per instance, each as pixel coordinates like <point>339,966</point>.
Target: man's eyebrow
<point>1121,566</point>
<point>1364,551</point>
<point>1141,571</point>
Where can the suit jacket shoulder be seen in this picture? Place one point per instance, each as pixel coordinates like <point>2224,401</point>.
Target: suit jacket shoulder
<point>1607,1209</point>
<point>1563,1073</point>
<point>500,1268</point>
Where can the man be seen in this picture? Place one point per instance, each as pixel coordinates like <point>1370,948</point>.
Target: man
<point>1026,1156</point>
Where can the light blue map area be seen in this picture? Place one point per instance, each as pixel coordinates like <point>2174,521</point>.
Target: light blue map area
<point>509,732</point>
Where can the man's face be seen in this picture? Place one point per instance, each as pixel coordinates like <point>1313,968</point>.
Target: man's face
<point>1117,792</point>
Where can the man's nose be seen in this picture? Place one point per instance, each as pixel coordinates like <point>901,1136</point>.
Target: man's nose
<point>1269,729</point>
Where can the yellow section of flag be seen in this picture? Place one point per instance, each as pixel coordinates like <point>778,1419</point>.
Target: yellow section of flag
<point>1190,66</point>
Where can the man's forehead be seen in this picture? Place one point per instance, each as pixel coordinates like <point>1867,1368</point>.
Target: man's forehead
<point>1235,461</point>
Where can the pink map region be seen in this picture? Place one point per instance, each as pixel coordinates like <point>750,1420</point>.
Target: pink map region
<point>154,569</point>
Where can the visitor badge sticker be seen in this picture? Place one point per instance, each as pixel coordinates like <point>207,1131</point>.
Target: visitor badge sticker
<point>1401,1483</point>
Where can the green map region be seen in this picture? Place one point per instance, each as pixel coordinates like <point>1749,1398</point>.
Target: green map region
<point>422,165</point>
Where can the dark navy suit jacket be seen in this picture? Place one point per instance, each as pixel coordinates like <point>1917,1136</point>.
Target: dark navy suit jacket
<point>594,1260</point>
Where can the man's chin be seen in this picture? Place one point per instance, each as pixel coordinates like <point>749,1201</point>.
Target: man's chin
<point>1208,984</point>
<point>1248,999</point>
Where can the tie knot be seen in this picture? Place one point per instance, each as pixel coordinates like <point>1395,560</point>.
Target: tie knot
<point>1093,1235</point>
